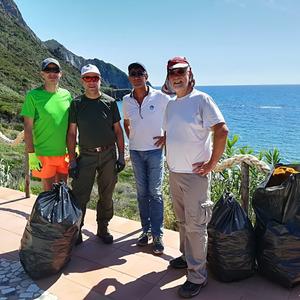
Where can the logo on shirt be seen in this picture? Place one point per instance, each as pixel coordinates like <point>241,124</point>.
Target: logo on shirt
<point>151,107</point>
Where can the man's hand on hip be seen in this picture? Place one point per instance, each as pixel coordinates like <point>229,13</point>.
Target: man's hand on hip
<point>202,168</point>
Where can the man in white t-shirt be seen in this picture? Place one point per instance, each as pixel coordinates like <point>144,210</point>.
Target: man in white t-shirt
<point>143,111</point>
<point>192,153</point>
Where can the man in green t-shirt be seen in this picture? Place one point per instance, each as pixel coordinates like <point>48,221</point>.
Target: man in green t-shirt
<point>96,118</point>
<point>45,112</point>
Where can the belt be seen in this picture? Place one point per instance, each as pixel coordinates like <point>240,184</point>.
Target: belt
<point>97,149</point>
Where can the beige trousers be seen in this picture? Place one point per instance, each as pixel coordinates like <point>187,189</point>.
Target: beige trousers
<point>193,208</point>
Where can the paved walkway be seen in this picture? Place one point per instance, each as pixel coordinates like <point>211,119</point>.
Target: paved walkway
<point>121,271</point>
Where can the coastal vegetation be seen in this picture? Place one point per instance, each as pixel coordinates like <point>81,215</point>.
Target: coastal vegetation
<point>125,204</point>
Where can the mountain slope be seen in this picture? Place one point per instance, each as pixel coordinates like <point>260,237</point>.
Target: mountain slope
<point>111,75</point>
<point>12,10</point>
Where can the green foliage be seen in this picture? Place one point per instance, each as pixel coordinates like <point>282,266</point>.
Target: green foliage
<point>9,175</point>
<point>11,164</point>
<point>272,157</point>
<point>169,216</point>
<point>35,186</point>
<point>5,175</point>
<point>14,157</point>
<point>10,100</point>
<point>124,196</point>
<point>230,149</point>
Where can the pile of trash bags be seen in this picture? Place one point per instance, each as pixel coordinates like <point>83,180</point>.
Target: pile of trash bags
<point>50,233</point>
<point>236,250</point>
<point>276,203</point>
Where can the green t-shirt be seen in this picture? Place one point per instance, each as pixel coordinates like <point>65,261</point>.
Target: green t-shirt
<point>50,114</point>
<point>95,119</point>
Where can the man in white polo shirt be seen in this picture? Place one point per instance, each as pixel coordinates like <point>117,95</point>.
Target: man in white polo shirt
<point>192,153</point>
<point>143,111</point>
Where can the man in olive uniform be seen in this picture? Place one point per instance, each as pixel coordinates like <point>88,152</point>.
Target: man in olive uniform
<point>96,118</point>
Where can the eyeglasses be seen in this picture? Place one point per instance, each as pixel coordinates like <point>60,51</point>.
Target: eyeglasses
<point>137,74</point>
<point>51,70</point>
<point>180,71</point>
<point>91,78</point>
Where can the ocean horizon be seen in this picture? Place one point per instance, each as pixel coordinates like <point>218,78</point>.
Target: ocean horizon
<point>263,116</point>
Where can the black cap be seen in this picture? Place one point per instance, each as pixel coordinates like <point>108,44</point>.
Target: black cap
<point>136,65</point>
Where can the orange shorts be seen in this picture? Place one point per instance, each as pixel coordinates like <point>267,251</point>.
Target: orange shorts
<point>51,165</point>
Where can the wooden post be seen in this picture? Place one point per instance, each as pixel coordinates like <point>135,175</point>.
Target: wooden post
<point>245,186</point>
<point>27,175</point>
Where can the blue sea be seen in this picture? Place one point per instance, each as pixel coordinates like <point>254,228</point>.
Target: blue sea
<point>263,116</point>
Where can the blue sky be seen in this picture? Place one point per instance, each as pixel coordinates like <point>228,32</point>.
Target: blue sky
<point>227,42</point>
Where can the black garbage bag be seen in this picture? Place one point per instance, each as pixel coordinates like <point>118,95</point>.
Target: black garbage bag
<point>276,203</point>
<point>231,241</point>
<point>51,232</point>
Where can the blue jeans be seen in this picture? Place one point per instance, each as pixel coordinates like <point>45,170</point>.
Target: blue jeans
<point>148,171</point>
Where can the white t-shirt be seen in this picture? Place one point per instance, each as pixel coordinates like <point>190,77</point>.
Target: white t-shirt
<point>145,120</point>
<point>187,122</point>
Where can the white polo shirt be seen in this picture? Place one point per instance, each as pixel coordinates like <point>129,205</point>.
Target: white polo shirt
<point>187,122</point>
<point>145,120</point>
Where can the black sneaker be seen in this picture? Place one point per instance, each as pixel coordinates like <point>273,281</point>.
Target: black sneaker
<point>190,289</point>
<point>105,236</point>
<point>158,246</point>
<point>178,263</point>
<point>143,239</point>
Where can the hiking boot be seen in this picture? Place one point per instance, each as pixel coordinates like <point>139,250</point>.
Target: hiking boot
<point>143,239</point>
<point>158,246</point>
<point>178,263</point>
<point>190,289</point>
<point>79,239</point>
<point>105,236</point>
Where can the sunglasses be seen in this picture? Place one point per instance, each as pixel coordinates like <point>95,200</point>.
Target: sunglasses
<point>180,71</point>
<point>51,70</point>
<point>91,78</point>
<point>137,74</point>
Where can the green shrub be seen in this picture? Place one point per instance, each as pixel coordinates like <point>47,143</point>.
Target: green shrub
<point>5,175</point>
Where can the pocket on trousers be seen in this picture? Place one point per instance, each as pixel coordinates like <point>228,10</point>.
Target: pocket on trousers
<point>205,212</point>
